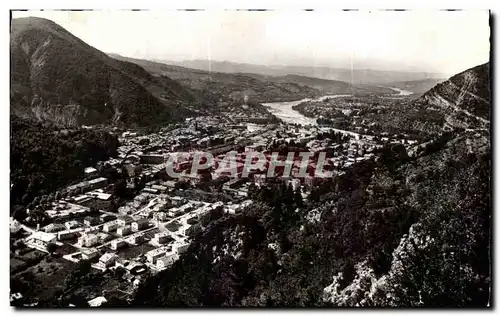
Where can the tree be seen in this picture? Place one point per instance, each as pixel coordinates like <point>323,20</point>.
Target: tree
<point>51,247</point>
<point>297,196</point>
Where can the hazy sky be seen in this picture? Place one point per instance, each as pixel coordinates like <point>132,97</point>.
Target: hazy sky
<point>433,41</point>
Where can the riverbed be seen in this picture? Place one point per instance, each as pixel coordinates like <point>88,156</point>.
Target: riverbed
<point>285,112</point>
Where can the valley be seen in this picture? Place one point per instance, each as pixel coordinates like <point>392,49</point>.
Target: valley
<point>149,183</point>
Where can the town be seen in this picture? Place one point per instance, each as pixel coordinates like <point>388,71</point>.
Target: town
<point>148,232</point>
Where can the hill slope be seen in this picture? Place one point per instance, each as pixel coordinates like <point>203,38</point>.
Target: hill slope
<point>213,87</point>
<point>55,76</point>
<point>416,86</point>
<point>464,98</point>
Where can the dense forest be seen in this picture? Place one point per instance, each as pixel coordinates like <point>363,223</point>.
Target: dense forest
<point>395,231</point>
<point>44,158</point>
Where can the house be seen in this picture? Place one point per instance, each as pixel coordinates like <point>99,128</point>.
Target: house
<point>118,243</point>
<point>88,240</point>
<point>90,171</point>
<point>98,301</point>
<point>160,188</point>
<point>89,254</point>
<point>98,183</point>
<point>182,247</point>
<point>108,259</point>
<point>39,240</point>
<point>234,183</point>
<point>124,230</point>
<point>66,235</point>
<point>140,224</point>
<point>90,221</point>
<point>160,216</point>
<point>161,238</point>
<point>124,220</point>
<point>110,226</point>
<point>54,227</point>
<point>166,261</point>
<point>155,254</point>
<point>135,239</point>
<point>103,237</point>
<point>152,159</point>
<point>71,224</point>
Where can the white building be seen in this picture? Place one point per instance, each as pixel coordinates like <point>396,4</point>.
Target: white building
<point>88,240</point>
<point>140,224</point>
<point>108,259</point>
<point>166,261</point>
<point>160,238</point>
<point>40,240</point>
<point>110,226</point>
<point>124,220</point>
<point>123,231</point>
<point>155,254</point>
<point>71,224</point>
<point>89,254</point>
<point>135,240</point>
<point>118,243</point>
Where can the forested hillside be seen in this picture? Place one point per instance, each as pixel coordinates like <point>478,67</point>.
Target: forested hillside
<point>44,158</point>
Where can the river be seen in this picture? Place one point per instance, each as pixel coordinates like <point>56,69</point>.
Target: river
<point>401,92</point>
<point>284,111</point>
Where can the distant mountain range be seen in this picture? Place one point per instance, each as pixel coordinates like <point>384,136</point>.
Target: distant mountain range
<point>260,88</point>
<point>354,76</point>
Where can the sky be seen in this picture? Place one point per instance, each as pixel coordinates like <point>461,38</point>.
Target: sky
<point>432,41</point>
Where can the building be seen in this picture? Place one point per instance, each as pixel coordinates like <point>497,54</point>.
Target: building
<point>66,235</point>
<point>90,172</point>
<point>233,184</point>
<point>166,261</point>
<point>39,240</point>
<point>54,227</point>
<point>71,224</point>
<point>161,238</point>
<point>152,159</point>
<point>98,301</point>
<point>90,221</point>
<point>108,259</point>
<point>160,216</point>
<point>124,230</point>
<point>110,226</point>
<point>118,244</point>
<point>88,240</point>
<point>182,247</point>
<point>98,183</point>
<point>135,239</point>
<point>140,224</point>
<point>124,220</point>
<point>155,254</point>
<point>89,254</point>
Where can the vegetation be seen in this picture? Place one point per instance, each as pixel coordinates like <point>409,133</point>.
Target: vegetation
<point>374,223</point>
<point>44,158</point>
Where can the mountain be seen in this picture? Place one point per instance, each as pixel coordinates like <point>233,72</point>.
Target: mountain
<point>354,76</point>
<point>214,87</point>
<point>57,77</point>
<point>257,87</point>
<point>416,86</point>
<point>464,98</point>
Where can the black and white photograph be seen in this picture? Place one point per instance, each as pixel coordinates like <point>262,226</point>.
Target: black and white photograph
<point>242,158</point>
